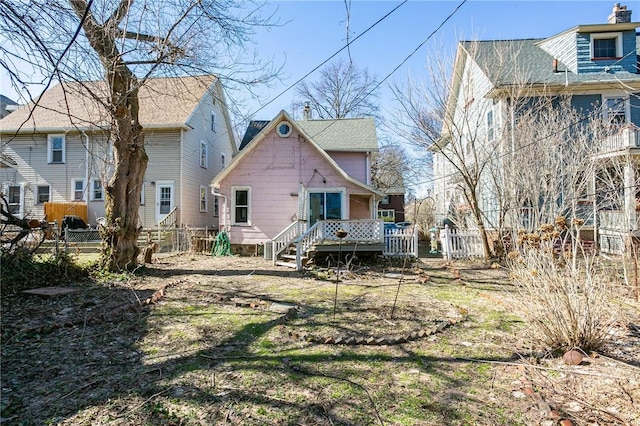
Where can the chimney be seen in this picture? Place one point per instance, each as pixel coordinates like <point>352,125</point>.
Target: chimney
<point>306,112</point>
<point>620,14</point>
<point>555,65</point>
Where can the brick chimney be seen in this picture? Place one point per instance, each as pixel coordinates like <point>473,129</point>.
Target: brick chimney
<point>306,112</point>
<point>620,14</point>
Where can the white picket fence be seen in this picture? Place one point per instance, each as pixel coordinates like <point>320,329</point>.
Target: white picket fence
<point>458,244</point>
<point>399,243</point>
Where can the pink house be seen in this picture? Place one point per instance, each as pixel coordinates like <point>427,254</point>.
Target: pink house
<point>297,182</point>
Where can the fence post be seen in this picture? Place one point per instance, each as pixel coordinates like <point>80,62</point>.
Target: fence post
<point>447,243</point>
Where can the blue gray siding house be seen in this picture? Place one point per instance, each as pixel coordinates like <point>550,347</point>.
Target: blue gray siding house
<point>596,67</point>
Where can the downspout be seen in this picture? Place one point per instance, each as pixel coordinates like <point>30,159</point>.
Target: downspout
<point>87,173</point>
<point>224,207</point>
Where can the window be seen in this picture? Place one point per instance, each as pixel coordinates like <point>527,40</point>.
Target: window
<point>385,200</point>
<point>241,203</point>
<point>14,197</point>
<point>43,194</point>
<point>204,154</point>
<point>216,207</point>
<point>615,110</point>
<point>606,45</point>
<point>325,206</point>
<point>77,187</point>
<point>203,199</point>
<point>96,190</point>
<point>490,126</point>
<point>142,194</point>
<point>224,161</point>
<point>56,149</point>
<point>284,129</point>
<point>387,215</point>
<point>213,122</point>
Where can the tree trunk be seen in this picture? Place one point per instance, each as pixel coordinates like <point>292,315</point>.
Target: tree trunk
<point>123,190</point>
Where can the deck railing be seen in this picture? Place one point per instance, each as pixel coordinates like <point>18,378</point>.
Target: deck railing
<point>628,137</point>
<point>170,220</point>
<point>281,241</point>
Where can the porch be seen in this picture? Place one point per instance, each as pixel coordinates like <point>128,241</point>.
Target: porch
<point>292,246</point>
<point>626,137</point>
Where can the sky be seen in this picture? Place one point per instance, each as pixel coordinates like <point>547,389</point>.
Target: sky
<point>312,31</point>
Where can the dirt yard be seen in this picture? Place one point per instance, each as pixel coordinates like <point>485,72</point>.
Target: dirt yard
<point>201,340</point>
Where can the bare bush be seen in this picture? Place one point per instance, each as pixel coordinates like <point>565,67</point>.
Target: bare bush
<point>567,305</point>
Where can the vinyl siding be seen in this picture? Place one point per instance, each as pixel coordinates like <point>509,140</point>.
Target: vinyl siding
<point>272,205</point>
<point>563,48</point>
<point>163,150</point>
<point>354,163</point>
<point>193,175</point>
<point>33,170</point>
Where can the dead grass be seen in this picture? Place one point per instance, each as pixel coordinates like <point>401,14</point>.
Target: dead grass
<point>203,355</point>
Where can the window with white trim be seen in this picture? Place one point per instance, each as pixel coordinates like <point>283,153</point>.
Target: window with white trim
<point>241,209</point>
<point>615,110</point>
<point>388,215</point>
<point>203,199</point>
<point>223,160</point>
<point>606,45</point>
<point>97,193</point>
<point>216,206</point>
<point>56,147</point>
<point>14,198</point>
<point>43,194</point>
<point>213,122</point>
<point>142,195</point>
<point>77,188</point>
<point>204,154</point>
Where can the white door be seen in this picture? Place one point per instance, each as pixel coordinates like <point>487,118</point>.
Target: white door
<point>164,199</point>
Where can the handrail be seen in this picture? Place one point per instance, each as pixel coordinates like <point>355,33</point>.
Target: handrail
<point>170,219</point>
<point>281,241</point>
<point>306,240</point>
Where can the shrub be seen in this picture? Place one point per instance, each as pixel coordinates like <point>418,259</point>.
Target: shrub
<point>565,306</point>
<point>21,270</point>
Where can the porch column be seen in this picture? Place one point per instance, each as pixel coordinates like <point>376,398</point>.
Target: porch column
<point>630,196</point>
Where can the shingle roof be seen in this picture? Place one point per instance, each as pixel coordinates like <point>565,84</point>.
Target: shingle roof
<point>345,134</point>
<point>254,127</point>
<point>164,102</point>
<point>534,65</point>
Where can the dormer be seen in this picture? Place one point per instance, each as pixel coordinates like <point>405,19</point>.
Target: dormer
<point>598,48</point>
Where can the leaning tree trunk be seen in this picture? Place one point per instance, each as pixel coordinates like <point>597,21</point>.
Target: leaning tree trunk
<point>122,200</point>
<point>123,190</point>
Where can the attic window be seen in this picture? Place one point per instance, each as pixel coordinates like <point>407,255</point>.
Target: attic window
<point>284,129</point>
<point>606,45</point>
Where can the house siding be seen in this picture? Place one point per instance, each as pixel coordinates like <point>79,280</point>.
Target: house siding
<point>33,170</point>
<point>163,149</point>
<point>275,186</point>
<point>562,47</point>
<point>354,163</point>
<point>626,63</point>
<point>194,176</point>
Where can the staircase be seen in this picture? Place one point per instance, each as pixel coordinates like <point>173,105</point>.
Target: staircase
<point>288,258</point>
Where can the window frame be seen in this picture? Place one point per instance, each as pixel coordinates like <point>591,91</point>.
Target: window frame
<point>93,188</point>
<point>203,199</point>
<point>50,150</point>
<point>625,110</point>
<point>213,122</point>
<point>223,160</point>
<point>617,37</point>
<point>38,202</point>
<point>204,155</point>
<point>234,206</point>
<point>216,206</point>
<point>281,133</point>
<point>74,189</point>
<point>20,204</point>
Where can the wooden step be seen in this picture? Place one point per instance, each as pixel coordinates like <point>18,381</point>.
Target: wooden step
<point>287,264</point>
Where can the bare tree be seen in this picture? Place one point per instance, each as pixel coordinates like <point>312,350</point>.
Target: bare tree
<point>124,44</point>
<point>343,90</point>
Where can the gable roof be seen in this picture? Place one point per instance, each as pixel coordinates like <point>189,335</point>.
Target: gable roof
<point>344,134</point>
<point>164,103</point>
<point>269,127</point>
